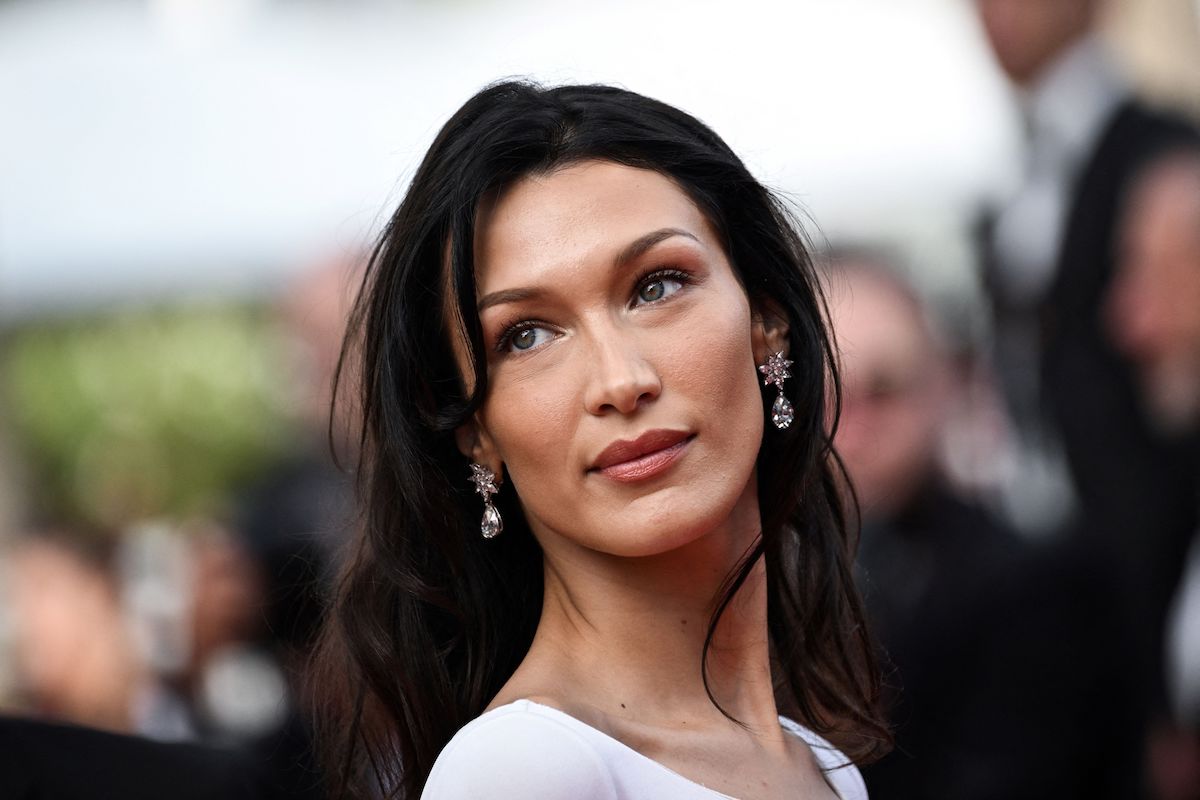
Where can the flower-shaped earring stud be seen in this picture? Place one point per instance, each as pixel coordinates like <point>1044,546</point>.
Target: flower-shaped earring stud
<point>776,371</point>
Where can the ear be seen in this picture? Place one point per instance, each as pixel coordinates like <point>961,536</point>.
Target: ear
<point>768,330</point>
<point>476,444</point>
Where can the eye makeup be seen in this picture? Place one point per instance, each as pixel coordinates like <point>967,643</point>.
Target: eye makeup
<point>662,276</point>
<point>513,329</point>
<point>517,325</point>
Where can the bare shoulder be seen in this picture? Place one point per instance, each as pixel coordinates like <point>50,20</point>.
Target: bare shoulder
<point>519,751</point>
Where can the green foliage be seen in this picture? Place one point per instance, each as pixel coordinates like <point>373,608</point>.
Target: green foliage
<point>146,413</point>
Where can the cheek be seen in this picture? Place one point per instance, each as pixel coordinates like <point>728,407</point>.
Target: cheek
<point>712,365</point>
<point>532,422</point>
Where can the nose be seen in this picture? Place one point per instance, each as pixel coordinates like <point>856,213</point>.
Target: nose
<point>620,378</point>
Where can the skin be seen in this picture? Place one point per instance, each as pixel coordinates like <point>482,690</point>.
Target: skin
<point>894,391</point>
<point>1027,35</point>
<point>228,596</point>
<point>1153,308</point>
<point>313,322</point>
<point>73,653</point>
<point>632,569</point>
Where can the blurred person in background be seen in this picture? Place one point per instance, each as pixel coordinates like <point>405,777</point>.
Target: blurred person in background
<point>80,669</point>
<point>75,658</point>
<point>293,521</point>
<point>42,760</point>
<point>193,598</point>
<point>1154,306</point>
<point>1154,317</point>
<point>1005,678</point>
<point>200,630</point>
<point>1090,462</point>
<point>258,585</point>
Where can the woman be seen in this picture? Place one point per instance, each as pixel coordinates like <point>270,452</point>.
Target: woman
<point>572,308</point>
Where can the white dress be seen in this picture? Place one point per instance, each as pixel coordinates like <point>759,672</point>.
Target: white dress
<point>529,750</point>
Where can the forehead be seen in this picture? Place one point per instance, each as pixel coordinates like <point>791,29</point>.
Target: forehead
<point>573,217</point>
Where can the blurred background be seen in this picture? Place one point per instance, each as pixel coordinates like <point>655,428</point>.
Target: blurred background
<point>187,189</point>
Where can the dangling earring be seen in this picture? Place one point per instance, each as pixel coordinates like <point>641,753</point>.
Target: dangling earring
<point>776,371</point>
<point>485,483</point>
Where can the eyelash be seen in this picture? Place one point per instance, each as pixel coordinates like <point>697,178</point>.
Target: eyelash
<point>653,276</point>
<point>512,329</point>
<point>517,325</point>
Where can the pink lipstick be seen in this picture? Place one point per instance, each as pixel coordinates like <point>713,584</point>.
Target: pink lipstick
<point>650,454</point>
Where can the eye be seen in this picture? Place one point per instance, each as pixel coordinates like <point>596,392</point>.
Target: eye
<point>524,336</point>
<point>656,286</point>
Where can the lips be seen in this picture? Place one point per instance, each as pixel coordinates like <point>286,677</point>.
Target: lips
<point>646,456</point>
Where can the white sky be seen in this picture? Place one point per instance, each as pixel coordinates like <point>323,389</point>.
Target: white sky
<point>213,145</point>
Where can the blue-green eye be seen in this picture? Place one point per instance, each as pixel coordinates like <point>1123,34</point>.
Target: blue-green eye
<point>528,338</point>
<point>656,287</point>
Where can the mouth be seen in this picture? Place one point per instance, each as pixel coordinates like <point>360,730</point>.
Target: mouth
<point>648,455</point>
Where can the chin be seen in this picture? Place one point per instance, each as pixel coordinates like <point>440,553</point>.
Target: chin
<point>1174,407</point>
<point>667,520</point>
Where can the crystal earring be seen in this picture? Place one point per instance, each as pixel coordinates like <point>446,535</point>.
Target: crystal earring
<point>776,371</point>
<point>485,483</point>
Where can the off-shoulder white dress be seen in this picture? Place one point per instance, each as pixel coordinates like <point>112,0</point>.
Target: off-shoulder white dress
<point>529,750</point>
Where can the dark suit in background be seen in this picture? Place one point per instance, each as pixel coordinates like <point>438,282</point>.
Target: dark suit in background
<point>1135,489</point>
<point>46,761</point>
<point>1004,672</point>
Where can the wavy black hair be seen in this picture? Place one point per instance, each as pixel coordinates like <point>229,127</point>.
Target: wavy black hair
<point>429,619</point>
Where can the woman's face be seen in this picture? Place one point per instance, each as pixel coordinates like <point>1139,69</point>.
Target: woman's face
<point>624,404</point>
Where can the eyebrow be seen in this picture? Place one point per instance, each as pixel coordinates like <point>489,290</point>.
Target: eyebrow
<point>631,251</point>
<point>643,243</point>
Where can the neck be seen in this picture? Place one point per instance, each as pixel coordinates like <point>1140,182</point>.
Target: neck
<point>627,635</point>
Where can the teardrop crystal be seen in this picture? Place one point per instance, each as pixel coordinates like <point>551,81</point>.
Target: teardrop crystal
<point>492,524</point>
<point>782,413</point>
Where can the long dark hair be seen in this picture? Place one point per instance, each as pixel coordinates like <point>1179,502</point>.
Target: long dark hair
<point>430,620</point>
